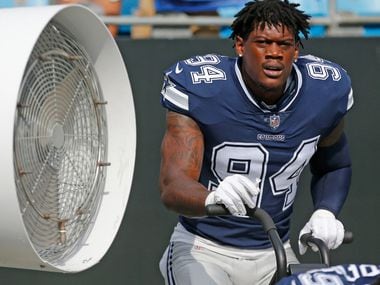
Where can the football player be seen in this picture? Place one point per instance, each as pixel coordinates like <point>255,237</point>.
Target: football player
<point>240,130</point>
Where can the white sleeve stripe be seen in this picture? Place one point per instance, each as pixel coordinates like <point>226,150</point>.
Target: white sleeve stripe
<point>350,100</point>
<point>176,97</point>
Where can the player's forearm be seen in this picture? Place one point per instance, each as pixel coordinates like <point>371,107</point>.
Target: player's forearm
<point>329,191</point>
<point>182,155</point>
<point>331,169</point>
<point>186,197</point>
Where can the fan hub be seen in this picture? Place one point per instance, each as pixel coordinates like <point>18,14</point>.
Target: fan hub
<point>58,136</point>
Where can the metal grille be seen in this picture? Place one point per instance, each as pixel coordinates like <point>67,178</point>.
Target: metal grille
<point>60,145</point>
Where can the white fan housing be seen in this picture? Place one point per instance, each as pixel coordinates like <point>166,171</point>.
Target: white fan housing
<point>68,138</point>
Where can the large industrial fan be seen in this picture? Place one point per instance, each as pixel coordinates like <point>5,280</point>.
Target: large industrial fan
<point>68,138</point>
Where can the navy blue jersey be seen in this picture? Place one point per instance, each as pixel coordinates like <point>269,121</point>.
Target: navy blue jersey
<point>244,136</point>
<point>346,274</point>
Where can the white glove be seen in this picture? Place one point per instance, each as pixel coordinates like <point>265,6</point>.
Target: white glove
<point>325,226</point>
<point>235,191</point>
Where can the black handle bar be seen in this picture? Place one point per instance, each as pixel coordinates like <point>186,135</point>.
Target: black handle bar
<point>269,228</point>
<point>323,250</point>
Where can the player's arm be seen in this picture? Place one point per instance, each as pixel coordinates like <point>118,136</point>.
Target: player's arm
<point>331,170</point>
<point>181,161</point>
<point>182,155</point>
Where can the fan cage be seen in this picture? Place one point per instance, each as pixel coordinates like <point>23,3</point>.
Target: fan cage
<point>60,145</point>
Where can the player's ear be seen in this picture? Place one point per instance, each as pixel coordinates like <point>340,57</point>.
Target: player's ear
<point>239,46</point>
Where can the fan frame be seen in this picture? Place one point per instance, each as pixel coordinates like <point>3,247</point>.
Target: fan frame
<point>20,29</point>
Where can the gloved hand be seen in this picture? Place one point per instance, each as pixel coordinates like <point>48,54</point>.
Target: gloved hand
<point>325,226</point>
<point>233,192</point>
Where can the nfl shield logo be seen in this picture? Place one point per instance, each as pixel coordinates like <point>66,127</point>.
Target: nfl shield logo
<point>274,121</point>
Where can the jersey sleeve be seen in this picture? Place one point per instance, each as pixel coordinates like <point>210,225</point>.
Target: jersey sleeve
<point>174,92</point>
<point>332,85</point>
<point>343,97</point>
<point>339,83</point>
<point>193,84</point>
<point>345,100</point>
<point>345,88</point>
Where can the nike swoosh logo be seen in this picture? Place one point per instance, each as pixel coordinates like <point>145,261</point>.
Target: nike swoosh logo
<point>178,69</point>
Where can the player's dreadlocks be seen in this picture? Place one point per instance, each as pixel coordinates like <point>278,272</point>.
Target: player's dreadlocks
<point>256,14</point>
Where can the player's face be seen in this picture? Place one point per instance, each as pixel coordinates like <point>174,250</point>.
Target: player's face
<point>268,55</point>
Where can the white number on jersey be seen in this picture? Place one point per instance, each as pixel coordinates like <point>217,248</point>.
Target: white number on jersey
<point>208,74</point>
<point>322,71</point>
<point>251,160</point>
<point>285,181</point>
<point>339,274</point>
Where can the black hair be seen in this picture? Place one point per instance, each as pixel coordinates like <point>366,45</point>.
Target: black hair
<point>257,14</point>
